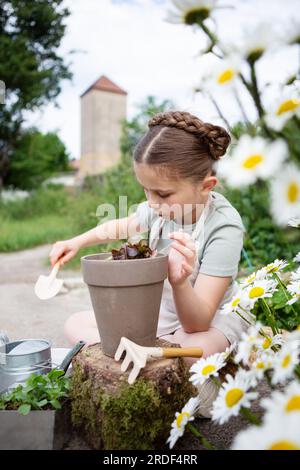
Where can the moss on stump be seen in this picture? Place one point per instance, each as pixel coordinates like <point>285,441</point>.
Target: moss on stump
<point>111,414</point>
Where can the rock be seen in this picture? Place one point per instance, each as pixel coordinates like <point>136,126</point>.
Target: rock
<point>111,414</point>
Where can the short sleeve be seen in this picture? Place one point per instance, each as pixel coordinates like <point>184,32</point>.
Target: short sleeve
<point>222,252</point>
<point>145,215</point>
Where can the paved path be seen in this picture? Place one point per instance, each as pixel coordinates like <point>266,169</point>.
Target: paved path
<point>22,314</point>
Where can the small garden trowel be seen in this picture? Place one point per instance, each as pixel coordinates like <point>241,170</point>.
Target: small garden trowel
<point>48,286</point>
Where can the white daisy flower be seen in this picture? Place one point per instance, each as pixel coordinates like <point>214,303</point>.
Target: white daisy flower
<point>247,344</point>
<point>252,158</point>
<point>228,351</point>
<point>281,403</point>
<point>181,420</point>
<point>257,40</point>
<point>232,396</point>
<point>265,344</point>
<point>285,194</point>
<point>260,289</point>
<point>222,73</point>
<point>295,275</point>
<point>294,222</point>
<point>294,287</point>
<point>297,257</point>
<point>277,265</point>
<point>263,363</point>
<point>237,301</point>
<point>207,367</point>
<point>256,276</point>
<point>278,433</point>
<point>190,11</point>
<point>285,361</point>
<point>283,108</point>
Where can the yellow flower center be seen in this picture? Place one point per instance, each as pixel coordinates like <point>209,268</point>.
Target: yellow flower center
<point>283,445</point>
<point>260,365</point>
<point>293,404</point>
<point>286,361</point>
<point>267,342</point>
<point>236,302</point>
<point>225,76</point>
<point>180,418</point>
<point>233,397</point>
<point>256,292</point>
<point>293,192</point>
<point>271,268</point>
<point>288,105</point>
<point>208,369</point>
<point>252,161</point>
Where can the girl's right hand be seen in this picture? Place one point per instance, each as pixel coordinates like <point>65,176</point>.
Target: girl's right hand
<point>63,251</point>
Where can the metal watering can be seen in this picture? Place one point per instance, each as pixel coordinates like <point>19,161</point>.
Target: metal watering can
<point>20,359</point>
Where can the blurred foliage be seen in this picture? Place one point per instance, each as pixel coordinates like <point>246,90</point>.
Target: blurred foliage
<point>31,32</point>
<point>35,157</point>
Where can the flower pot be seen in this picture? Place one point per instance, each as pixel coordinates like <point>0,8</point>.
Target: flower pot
<point>39,430</point>
<point>126,297</point>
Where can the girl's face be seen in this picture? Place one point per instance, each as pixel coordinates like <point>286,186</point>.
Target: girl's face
<point>173,198</point>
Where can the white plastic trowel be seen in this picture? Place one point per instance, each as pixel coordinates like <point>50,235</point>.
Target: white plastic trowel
<point>48,286</point>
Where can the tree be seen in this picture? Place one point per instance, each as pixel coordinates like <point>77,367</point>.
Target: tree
<point>30,35</point>
<point>133,130</point>
<point>36,156</point>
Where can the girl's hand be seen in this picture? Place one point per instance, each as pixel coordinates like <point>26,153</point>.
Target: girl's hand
<point>182,258</point>
<point>63,251</point>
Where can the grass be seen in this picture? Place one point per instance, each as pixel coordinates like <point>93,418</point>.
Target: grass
<point>21,234</point>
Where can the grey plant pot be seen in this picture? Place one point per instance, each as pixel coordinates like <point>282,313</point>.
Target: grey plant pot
<point>126,297</point>
<point>39,430</point>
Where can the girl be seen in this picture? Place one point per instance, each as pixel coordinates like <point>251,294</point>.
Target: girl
<point>175,163</point>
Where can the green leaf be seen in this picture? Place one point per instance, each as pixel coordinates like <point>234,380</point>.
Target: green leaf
<point>24,409</point>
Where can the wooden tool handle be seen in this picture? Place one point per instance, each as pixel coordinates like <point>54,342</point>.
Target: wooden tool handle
<point>182,352</point>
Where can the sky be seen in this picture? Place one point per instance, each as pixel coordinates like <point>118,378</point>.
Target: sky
<point>130,42</point>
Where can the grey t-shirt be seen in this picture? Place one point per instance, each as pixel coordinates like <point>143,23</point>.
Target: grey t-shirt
<point>220,244</point>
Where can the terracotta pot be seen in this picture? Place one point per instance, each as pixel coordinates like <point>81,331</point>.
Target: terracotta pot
<point>126,297</point>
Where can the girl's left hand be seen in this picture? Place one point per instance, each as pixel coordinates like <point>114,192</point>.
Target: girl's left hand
<point>182,258</point>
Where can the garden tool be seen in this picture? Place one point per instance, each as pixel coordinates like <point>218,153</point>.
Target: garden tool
<point>48,286</point>
<point>20,359</point>
<point>139,355</point>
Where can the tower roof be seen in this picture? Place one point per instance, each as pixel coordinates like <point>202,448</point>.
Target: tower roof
<point>105,84</point>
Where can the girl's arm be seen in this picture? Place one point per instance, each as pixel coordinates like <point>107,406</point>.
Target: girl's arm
<point>117,229</point>
<point>109,231</point>
<point>196,306</point>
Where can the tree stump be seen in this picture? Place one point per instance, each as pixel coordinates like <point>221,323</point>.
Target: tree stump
<point>113,415</point>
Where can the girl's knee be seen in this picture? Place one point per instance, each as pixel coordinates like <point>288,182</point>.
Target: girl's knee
<point>81,326</point>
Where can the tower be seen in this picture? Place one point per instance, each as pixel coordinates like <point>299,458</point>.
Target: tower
<point>103,106</point>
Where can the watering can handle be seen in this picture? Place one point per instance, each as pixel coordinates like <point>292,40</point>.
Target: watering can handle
<point>182,352</point>
<point>71,354</point>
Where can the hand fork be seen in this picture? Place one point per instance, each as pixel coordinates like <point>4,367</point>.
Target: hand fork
<point>139,355</point>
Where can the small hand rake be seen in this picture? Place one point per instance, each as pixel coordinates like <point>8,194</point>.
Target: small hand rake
<point>139,355</point>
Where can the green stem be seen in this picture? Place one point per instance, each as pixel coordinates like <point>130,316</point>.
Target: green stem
<point>251,417</point>
<point>297,371</point>
<point>270,316</point>
<point>268,377</point>
<point>203,440</point>
<point>209,33</point>
<point>256,94</point>
<point>217,381</point>
<point>284,289</point>
<point>239,313</point>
